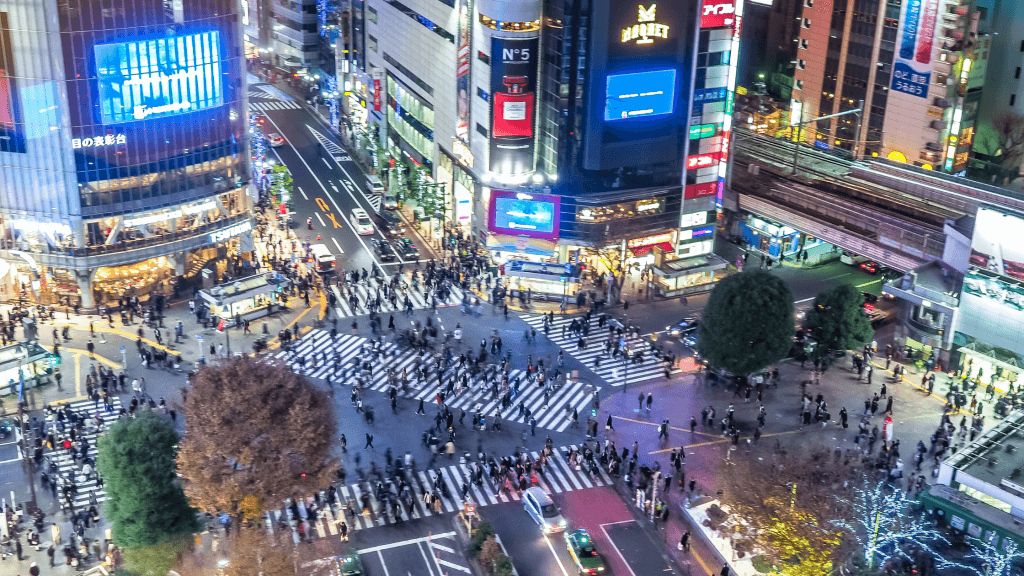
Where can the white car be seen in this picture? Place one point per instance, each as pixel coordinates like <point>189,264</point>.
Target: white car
<point>275,140</point>
<point>542,509</point>
<point>361,222</point>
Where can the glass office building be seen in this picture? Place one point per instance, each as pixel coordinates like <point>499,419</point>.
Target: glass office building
<point>124,159</point>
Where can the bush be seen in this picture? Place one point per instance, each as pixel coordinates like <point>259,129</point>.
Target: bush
<point>476,542</point>
<point>502,566</point>
<point>489,552</point>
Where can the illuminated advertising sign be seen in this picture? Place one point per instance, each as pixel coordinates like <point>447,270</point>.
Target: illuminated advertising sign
<point>695,219</point>
<point>640,95</point>
<point>99,141</point>
<point>12,136</point>
<point>911,68</point>
<point>997,244</point>
<point>701,161</point>
<point>159,77</point>
<point>513,98</point>
<point>646,29</point>
<point>222,235</point>
<point>702,232</point>
<point>462,70</point>
<point>992,310</point>
<point>534,215</point>
<point>717,13</point>
<point>701,190</point>
<point>703,131</point>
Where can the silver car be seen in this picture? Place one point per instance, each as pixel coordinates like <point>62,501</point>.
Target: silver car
<point>542,509</point>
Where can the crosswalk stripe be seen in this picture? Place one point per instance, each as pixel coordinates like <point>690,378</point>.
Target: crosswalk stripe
<point>612,370</point>
<point>314,355</point>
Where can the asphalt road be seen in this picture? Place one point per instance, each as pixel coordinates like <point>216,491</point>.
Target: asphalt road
<point>625,547</point>
<point>328,185</point>
<point>424,547</point>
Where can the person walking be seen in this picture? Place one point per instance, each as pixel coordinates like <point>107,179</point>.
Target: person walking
<point>663,430</point>
<point>608,424</point>
<point>369,441</point>
<point>693,424</point>
<point>650,400</point>
<point>684,541</point>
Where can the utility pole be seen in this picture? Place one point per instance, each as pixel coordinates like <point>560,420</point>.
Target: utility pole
<point>856,137</point>
<point>799,130</point>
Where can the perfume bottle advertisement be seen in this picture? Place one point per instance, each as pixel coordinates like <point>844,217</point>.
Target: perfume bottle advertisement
<point>513,104</point>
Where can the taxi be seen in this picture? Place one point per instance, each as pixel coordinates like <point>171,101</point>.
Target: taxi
<point>350,565</point>
<point>581,548</point>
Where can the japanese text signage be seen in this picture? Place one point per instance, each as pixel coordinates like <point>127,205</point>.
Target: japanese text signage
<point>646,29</point>
<point>701,190</point>
<point>99,141</point>
<point>701,161</point>
<point>911,70</point>
<point>717,13</point>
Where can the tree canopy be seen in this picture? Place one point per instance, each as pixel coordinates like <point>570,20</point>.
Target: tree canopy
<point>748,323</point>
<point>257,434</point>
<point>145,505</point>
<point>837,321</point>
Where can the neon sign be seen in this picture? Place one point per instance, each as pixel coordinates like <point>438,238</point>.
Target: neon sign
<point>646,29</point>
<point>701,161</point>
<point>222,235</point>
<point>99,141</point>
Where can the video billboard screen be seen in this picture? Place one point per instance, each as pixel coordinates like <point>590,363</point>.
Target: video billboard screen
<point>998,243</point>
<point>12,135</point>
<point>992,310</point>
<point>513,99</point>
<point>533,215</point>
<point>159,77</point>
<point>640,95</point>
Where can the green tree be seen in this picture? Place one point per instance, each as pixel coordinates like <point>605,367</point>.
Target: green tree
<point>158,559</point>
<point>838,322</point>
<point>748,323</point>
<point>146,505</point>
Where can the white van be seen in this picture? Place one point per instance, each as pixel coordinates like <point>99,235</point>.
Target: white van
<point>361,222</point>
<point>323,260</point>
<point>374,185</point>
<point>852,259</point>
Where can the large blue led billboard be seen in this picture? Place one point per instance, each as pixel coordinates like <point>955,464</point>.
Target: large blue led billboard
<point>640,95</point>
<point>534,215</point>
<point>157,77</point>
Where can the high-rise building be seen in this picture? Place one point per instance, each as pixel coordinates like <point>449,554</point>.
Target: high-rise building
<point>914,67</point>
<point>563,131</point>
<point>295,34</point>
<point>123,146</point>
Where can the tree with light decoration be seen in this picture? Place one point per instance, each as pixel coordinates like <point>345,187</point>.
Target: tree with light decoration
<point>881,524</point>
<point>994,562</point>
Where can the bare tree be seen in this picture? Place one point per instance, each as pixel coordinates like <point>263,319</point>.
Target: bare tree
<point>257,434</point>
<point>1010,128</point>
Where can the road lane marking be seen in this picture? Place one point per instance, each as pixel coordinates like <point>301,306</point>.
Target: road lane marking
<point>373,549</point>
<point>299,188</point>
<point>805,300</point>
<point>869,283</point>
<point>326,162</point>
<point>340,251</point>
<point>452,565</point>
<point>383,563</point>
<point>427,562</point>
<point>440,547</point>
<point>335,188</point>
<point>839,276</point>
<point>555,555</point>
<point>318,217</point>
<point>612,542</point>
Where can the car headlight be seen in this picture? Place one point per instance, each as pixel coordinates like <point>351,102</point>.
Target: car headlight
<point>562,522</point>
<point>600,568</point>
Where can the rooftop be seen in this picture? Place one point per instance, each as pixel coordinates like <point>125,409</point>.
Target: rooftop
<point>997,456</point>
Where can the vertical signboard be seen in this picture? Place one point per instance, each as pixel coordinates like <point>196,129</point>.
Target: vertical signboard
<point>513,100</point>
<point>12,137</point>
<point>911,69</point>
<point>462,68</point>
<point>378,76</point>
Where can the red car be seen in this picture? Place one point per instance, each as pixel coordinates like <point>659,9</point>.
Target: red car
<point>869,267</point>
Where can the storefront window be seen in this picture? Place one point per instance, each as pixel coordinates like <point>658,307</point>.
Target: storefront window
<point>646,207</point>
<point>146,277</point>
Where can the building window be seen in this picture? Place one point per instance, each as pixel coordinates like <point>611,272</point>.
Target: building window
<point>799,84</point>
<point>483,57</point>
<point>804,43</point>
<point>481,93</point>
<point>371,14</point>
<point>408,73</point>
<point>1017,73</point>
<point>481,130</point>
<point>807,23</point>
<point>1022,45</point>
<point>1013,99</point>
<point>808,3</point>
<point>801,64</point>
<point>510,26</point>
<point>371,42</point>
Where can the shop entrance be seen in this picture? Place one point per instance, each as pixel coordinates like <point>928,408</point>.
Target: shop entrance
<point>999,368</point>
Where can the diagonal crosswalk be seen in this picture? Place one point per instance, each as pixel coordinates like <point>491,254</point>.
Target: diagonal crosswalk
<point>63,463</point>
<point>267,106</point>
<point>346,307</point>
<point>317,355</point>
<point>612,370</point>
<point>357,507</point>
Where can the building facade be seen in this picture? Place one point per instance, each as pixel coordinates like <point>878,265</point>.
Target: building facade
<point>588,132</point>
<point>124,156</point>
<point>915,68</point>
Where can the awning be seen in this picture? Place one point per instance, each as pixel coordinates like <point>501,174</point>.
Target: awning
<point>643,250</point>
<point>693,265</point>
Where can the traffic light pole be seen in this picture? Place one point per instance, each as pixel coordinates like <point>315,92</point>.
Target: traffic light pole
<point>800,127</point>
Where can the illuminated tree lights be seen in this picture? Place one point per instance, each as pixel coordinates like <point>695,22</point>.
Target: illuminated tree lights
<point>881,524</point>
<point>332,98</point>
<point>993,561</point>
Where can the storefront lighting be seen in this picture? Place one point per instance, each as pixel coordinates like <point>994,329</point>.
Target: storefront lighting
<point>44,227</point>
<point>538,178</point>
<point>522,196</point>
